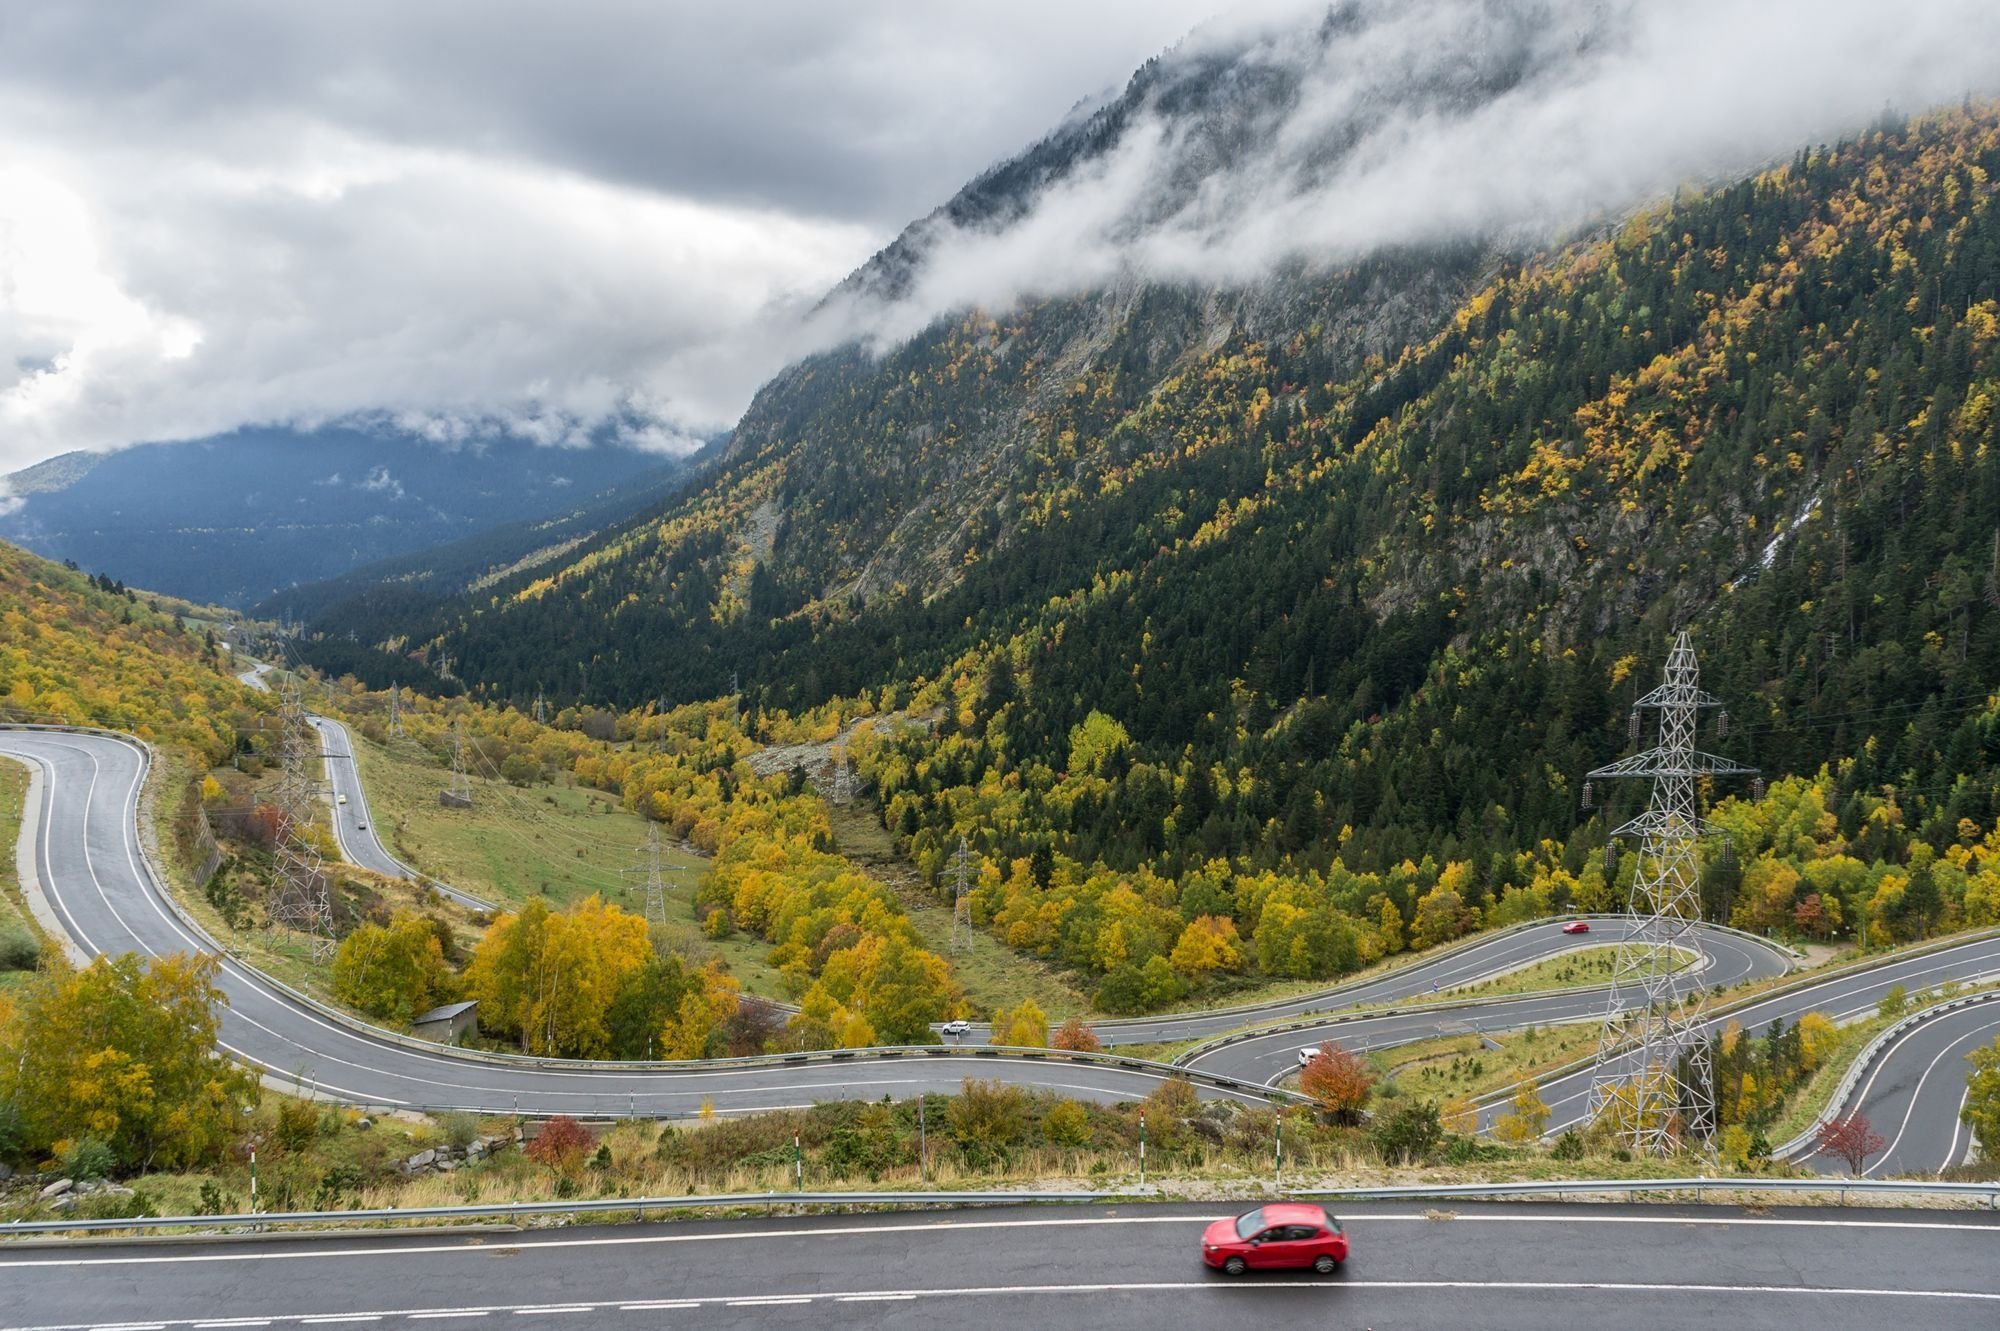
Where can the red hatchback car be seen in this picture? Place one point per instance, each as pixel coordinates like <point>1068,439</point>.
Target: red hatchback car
<point>1577,927</point>
<point>1276,1237</point>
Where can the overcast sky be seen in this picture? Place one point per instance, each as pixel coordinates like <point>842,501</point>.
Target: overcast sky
<point>546,218</point>
<point>216,213</point>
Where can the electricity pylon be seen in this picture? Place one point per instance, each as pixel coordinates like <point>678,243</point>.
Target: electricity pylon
<point>301,903</point>
<point>961,904</point>
<point>395,711</point>
<point>656,891</point>
<point>1654,1079</point>
<point>843,778</point>
<point>459,796</point>
<point>541,709</point>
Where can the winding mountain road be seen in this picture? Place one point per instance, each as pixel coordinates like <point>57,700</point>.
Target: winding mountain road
<point>84,853</point>
<point>1498,1268</point>
<point>353,828</point>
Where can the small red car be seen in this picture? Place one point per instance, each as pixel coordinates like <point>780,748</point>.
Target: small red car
<point>1577,927</point>
<point>1276,1237</point>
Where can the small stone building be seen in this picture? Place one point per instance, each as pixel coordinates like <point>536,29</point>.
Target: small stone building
<point>448,1024</point>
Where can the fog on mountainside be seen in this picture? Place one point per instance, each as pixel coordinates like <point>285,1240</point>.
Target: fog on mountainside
<point>1260,143</point>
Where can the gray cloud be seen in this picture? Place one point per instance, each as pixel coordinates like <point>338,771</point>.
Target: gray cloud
<point>1419,120</point>
<point>463,218</point>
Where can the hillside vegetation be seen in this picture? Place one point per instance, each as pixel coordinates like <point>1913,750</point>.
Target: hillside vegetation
<point>1277,657</point>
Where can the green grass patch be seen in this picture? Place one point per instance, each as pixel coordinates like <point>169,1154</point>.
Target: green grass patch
<point>561,840</point>
<point>1463,1064</point>
<point>17,923</point>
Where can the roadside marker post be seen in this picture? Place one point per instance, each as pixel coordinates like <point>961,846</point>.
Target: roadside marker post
<point>798,1163</point>
<point>923,1143</point>
<point>1142,1148</point>
<point>1278,1164</point>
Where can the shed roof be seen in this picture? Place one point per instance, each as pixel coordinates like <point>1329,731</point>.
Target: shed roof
<point>447,1012</point>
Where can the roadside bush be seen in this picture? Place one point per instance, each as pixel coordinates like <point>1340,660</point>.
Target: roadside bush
<point>116,1206</point>
<point>297,1125</point>
<point>19,950</point>
<point>1569,1146</point>
<point>1411,1135</point>
<point>89,1158</point>
<point>988,1119</point>
<point>561,1146</point>
<point>1067,1125</point>
<point>459,1130</point>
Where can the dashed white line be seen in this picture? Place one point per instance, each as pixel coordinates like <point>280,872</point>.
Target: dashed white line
<point>333,1318</point>
<point>771,1301</point>
<point>438,1317</point>
<point>657,1305</point>
<point>875,1298</point>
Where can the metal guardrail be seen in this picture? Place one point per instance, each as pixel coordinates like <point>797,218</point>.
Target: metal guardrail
<point>1701,1187</point>
<point>1743,1002</point>
<point>1866,1060</point>
<point>1334,993</point>
<point>1410,1007</point>
<point>1560,1190</point>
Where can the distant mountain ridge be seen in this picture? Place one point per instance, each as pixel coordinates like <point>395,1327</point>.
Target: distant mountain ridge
<point>235,518</point>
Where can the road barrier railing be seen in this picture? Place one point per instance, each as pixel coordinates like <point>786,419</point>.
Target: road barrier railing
<point>1743,1002</point>
<point>1558,1190</point>
<point>1409,1007</point>
<point>1864,1063</point>
<point>1332,996</point>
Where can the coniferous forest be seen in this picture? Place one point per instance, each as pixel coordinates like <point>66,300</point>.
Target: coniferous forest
<point>1311,634</point>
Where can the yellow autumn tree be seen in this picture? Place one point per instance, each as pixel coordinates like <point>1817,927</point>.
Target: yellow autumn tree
<point>124,1051</point>
<point>694,1028</point>
<point>1208,944</point>
<point>1026,1027</point>
<point>550,978</point>
<point>394,973</point>
<point>1527,1117</point>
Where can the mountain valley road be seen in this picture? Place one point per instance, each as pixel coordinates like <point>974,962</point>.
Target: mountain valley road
<point>84,853</point>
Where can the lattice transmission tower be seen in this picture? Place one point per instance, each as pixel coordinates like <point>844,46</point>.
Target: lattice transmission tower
<point>961,900</point>
<point>843,778</point>
<point>395,711</point>
<point>459,794</point>
<point>1654,1081</point>
<point>656,891</point>
<point>541,709</point>
<point>302,903</point>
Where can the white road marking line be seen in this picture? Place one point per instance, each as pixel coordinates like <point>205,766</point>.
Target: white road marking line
<point>1210,1285</point>
<point>874,1298</point>
<point>763,1235</point>
<point>234,1321</point>
<point>658,1304</point>
<point>332,1318</point>
<point>435,1317</point>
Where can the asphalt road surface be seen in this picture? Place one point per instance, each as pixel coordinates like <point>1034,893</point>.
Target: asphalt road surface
<point>88,861</point>
<point>1488,1267</point>
<point>1913,1094</point>
<point>1269,1059</point>
<point>1732,957</point>
<point>353,827</point>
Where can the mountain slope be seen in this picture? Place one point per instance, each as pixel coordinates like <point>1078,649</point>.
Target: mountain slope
<point>1404,602</point>
<point>232,519</point>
